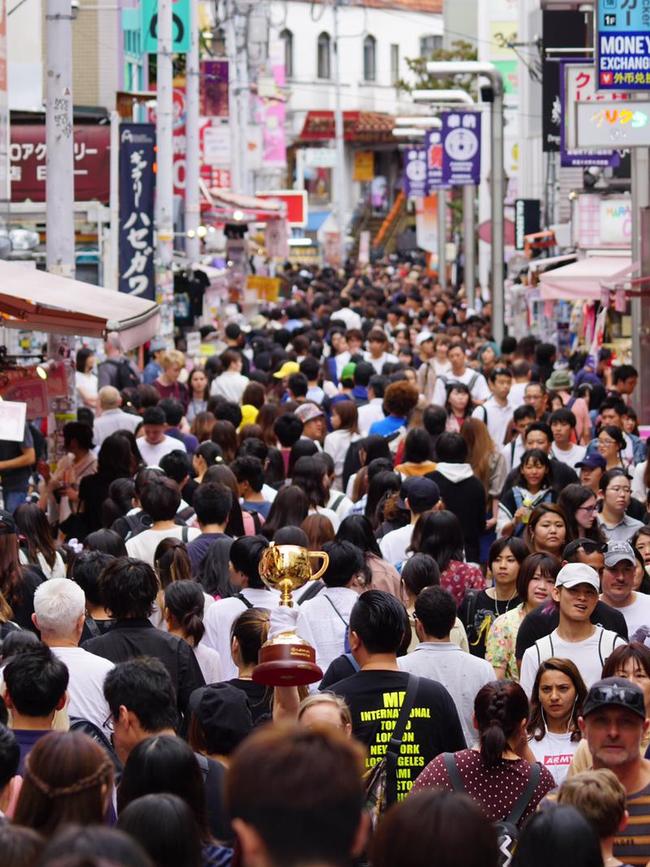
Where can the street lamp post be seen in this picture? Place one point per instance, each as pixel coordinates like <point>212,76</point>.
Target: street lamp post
<point>497,191</point>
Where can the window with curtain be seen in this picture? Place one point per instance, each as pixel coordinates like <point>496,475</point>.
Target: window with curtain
<point>429,44</point>
<point>287,37</point>
<point>324,56</point>
<point>369,58</point>
<point>394,63</point>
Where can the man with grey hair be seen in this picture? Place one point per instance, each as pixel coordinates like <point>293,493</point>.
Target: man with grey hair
<point>116,370</point>
<point>112,418</point>
<point>59,615</point>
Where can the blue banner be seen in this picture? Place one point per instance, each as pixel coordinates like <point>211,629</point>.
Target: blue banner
<point>623,45</point>
<point>461,154</point>
<point>433,146</point>
<point>137,186</point>
<point>414,179</point>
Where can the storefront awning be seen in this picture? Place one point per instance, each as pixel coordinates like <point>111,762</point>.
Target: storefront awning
<point>582,280</point>
<point>222,206</point>
<point>31,299</point>
<point>370,127</point>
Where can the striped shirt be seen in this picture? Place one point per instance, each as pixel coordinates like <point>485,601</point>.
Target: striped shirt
<point>632,845</point>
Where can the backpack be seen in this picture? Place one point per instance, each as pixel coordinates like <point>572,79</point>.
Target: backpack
<point>545,650</point>
<point>507,830</point>
<point>449,381</point>
<point>379,793</point>
<point>126,376</point>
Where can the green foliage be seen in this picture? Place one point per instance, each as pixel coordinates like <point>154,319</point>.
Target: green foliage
<point>459,50</point>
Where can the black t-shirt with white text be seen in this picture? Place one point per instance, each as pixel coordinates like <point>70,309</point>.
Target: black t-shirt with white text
<point>374,699</point>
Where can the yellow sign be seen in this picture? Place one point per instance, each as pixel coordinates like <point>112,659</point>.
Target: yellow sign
<point>267,288</point>
<point>364,166</point>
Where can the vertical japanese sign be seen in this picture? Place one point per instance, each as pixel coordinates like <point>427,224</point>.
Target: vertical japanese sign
<point>623,45</point>
<point>137,156</point>
<point>578,84</point>
<point>180,26</point>
<point>414,179</point>
<point>433,147</point>
<point>271,108</point>
<point>461,154</point>
<point>213,98</point>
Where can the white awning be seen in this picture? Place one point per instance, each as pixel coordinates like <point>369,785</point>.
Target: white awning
<point>582,279</point>
<point>59,305</point>
<point>550,262</point>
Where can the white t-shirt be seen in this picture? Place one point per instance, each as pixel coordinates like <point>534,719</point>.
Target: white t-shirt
<point>516,396</point>
<point>394,544</point>
<point>230,385</point>
<point>571,456</point>
<point>143,546</point>
<point>221,616</point>
<point>370,413</point>
<point>496,417</point>
<point>637,616</point>
<point>588,655</point>
<point>479,389</point>
<point>152,455</point>
<point>209,662</point>
<point>86,685</point>
<point>555,752</point>
<point>378,363</point>
<point>323,626</point>
<point>639,490</point>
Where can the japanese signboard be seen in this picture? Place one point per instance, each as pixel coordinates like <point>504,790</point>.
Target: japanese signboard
<point>461,155</point>
<point>364,166</point>
<point>296,202</point>
<point>527,220</point>
<point>433,146</point>
<point>602,221</point>
<point>578,82</point>
<point>271,108</point>
<point>137,156</point>
<point>180,26</point>
<point>613,124</point>
<point>414,179</point>
<point>623,45</point>
<point>562,29</point>
<point>28,155</point>
<point>213,94</point>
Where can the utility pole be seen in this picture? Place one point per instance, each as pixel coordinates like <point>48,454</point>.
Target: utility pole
<point>640,307</point>
<point>238,95</point>
<point>59,137</point>
<point>442,237</point>
<point>192,168</point>
<point>489,71</point>
<point>469,241</point>
<point>165,157</point>
<point>113,281</point>
<point>339,174</point>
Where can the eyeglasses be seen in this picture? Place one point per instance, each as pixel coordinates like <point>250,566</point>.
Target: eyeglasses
<point>619,490</point>
<point>109,723</point>
<point>589,509</point>
<point>607,442</point>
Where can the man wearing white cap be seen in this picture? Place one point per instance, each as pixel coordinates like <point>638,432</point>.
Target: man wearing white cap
<point>576,638</point>
<point>618,589</point>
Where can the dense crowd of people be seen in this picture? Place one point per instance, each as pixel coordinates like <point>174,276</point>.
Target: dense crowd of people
<point>481,625</point>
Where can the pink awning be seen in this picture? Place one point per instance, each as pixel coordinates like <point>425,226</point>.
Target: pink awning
<point>582,280</point>
<point>46,302</point>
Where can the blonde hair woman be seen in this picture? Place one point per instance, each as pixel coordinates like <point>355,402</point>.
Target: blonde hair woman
<point>168,383</point>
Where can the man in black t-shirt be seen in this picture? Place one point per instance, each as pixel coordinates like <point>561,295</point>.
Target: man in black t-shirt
<point>378,624</point>
<point>546,617</point>
<point>16,461</point>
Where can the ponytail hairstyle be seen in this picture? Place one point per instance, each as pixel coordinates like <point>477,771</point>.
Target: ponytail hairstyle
<point>185,602</point>
<point>172,562</point>
<point>499,707</point>
<point>251,630</point>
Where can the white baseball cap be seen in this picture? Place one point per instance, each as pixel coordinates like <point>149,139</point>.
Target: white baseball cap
<point>577,573</point>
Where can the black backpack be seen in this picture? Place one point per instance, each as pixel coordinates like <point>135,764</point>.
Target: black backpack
<point>126,375</point>
<point>507,830</point>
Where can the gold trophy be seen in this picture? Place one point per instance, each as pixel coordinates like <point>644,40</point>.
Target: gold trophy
<point>285,659</point>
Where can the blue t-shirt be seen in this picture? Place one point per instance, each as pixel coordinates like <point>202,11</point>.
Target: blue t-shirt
<point>386,426</point>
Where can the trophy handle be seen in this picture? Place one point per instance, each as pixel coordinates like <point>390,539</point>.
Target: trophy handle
<point>321,555</point>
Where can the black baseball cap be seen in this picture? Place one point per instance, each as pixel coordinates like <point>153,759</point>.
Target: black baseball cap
<point>592,462</point>
<point>422,494</point>
<point>223,712</point>
<point>615,692</point>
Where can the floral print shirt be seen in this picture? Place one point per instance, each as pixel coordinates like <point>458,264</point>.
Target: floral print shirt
<point>501,641</point>
<point>459,577</point>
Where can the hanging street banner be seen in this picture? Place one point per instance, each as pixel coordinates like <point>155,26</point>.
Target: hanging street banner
<point>461,156</point>
<point>180,26</point>
<point>623,45</point>
<point>213,88</point>
<point>137,186</point>
<point>414,179</point>
<point>578,85</point>
<point>433,146</point>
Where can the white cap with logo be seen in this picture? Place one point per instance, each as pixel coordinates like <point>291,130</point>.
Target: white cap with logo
<point>577,573</point>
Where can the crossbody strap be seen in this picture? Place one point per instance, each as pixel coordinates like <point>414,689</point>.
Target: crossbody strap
<point>453,772</point>
<point>404,713</point>
<point>524,799</point>
<point>345,623</point>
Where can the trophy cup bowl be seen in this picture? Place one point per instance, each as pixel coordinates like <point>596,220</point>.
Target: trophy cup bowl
<point>285,659</point>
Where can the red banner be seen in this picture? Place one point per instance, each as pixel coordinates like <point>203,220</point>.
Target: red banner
<point>28,154</point>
